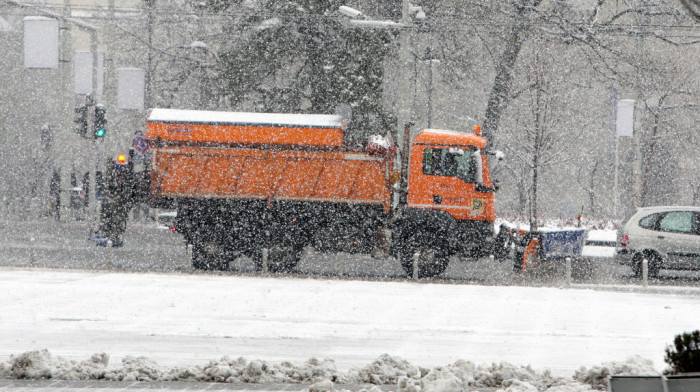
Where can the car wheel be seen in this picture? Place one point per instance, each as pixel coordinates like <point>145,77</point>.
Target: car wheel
<point>654,262</point>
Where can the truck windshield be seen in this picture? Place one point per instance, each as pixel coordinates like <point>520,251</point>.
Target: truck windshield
<point>449,162</point>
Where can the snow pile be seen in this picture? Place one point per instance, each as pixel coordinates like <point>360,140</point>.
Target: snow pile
<point>386,369</point>
<point>41,364</point>
<point>240,370</point>
<point>597,376</point>
<point>462,375</point>
<point>136,369</point>
<point>322,375</point>
<point>323,385</point>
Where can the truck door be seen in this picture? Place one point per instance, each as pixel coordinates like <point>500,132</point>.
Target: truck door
<point>444,178</point>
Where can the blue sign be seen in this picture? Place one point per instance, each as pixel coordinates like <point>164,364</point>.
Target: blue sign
<point>141,144</point>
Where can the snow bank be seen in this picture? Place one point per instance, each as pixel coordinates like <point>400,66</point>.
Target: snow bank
<point>386,369</point>
<point>322,375</point>
<point>41,364</point>
<point>597,376</point>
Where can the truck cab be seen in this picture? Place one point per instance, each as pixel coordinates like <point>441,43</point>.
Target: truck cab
<point>449,172</point>
<point>450,200</point>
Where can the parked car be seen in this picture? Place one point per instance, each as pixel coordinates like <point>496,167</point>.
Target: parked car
<point>166,219</point>
<point>667,237</point>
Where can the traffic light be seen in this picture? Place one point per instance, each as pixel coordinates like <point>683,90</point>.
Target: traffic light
<point>82,120</point>
<point>100,129</point>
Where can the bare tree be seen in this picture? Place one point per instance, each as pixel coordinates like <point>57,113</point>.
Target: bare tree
<point>544,137</point>
<point>589,29</point>
<point>667,98</point>
<point>693,7</point>
<point>589,186</point>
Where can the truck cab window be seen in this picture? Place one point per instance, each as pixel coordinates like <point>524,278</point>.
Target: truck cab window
<point>449,162</point>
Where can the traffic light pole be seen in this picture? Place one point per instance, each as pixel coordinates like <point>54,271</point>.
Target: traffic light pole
<point>62,145</point>
<point>93,211</point>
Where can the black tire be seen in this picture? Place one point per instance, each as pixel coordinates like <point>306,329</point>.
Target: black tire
<point>199,258</point>
<point>281,258</point>
<point>502,245</point>
<point>653,259</point>
<point>518,261</point>
<point>432,259</point>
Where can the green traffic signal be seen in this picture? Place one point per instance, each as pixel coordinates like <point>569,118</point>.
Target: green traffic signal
<point>100,121</point>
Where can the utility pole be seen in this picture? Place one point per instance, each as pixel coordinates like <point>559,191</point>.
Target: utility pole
<point>403,114</point>
<point>614,150</point>
<point>92,183</point>
<point>150,6</point>
<point>405,27</point>
<point>63,145</point>
<point>637,139</point>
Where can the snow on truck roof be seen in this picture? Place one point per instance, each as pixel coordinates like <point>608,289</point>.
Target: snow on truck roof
<point>246,118</point>
<point>443,136</point>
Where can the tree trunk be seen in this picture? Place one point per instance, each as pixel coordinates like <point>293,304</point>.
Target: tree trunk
<point>502,84</point>
<point>533,202</point>
<point>501,91</point>
<point>649,161</point>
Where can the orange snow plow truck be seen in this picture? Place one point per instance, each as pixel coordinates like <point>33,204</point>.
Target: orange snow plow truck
<point>267,185</point>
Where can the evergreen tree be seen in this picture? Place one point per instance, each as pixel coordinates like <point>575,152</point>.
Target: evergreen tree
<point>684,355</point>
<point>296,56</point>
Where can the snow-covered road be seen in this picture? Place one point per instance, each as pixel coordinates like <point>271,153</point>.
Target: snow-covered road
<point>180,320</point>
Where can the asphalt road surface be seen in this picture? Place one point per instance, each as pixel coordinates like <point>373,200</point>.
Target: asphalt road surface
<point>64,245</point>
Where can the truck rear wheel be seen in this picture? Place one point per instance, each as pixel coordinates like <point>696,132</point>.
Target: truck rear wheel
<point>432,261</point>
<point>203,260</point>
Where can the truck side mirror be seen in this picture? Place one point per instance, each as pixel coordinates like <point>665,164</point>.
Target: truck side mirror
<point>478,168</point>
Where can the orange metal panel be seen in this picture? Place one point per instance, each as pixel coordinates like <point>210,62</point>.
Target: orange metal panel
<point>189,183</point>
<point>299,177</point>
<point>245,134</point>
<point>365,186</point>
<point>221,175</point>
<point>172,175</point>
<point>247,173</point>
<point>334,171</point>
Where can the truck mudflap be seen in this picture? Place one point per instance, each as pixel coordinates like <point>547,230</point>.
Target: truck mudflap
<point>531,249</point>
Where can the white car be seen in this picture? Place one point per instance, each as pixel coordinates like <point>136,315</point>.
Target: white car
<point>667,237</point>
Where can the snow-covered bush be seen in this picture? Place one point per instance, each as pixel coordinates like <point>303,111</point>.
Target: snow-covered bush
<point>597,376</point>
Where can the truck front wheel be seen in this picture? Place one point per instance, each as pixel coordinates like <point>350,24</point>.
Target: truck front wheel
<point>431,260</point>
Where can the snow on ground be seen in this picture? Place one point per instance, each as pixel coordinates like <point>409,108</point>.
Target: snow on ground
<point>437,337</point>
<point>598,251</point>
<point>609,235</point>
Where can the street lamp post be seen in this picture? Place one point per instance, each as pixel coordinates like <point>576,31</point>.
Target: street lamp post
<point>409,13</point>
